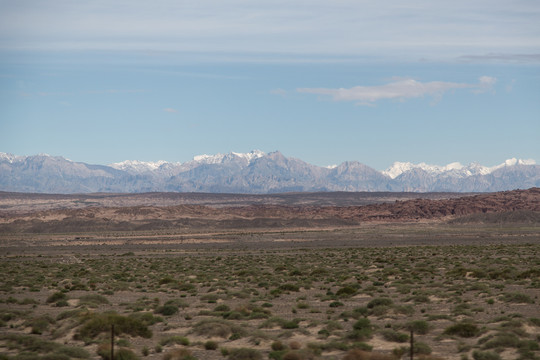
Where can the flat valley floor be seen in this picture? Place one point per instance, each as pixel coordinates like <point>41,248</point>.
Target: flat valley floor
<point>340,292</point>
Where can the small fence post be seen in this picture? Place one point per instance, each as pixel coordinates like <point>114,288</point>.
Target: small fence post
<point>112,341</point>
<point>412,344</point>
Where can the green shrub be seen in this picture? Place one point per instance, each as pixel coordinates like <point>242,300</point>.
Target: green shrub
<point>346,291</point>
<point>218,328</point>
<point>463,329</point>
<point>244,354</point>
<point>278,346</point>
<point>485,355</point>
<point>379,302</point>
<point>96,324</point>
<point>104,351</point>
<point>211,345</point>
<point>93,300</point>
<point>394,336</point>
<point>167,310</point>
<point>289,287</point>
<point>222,308</point>
<point>175,339</point>
<point>501,340</point>
<point>421,348</point>
<point>336,304</point>
<point>418,326</point>
<point>517,298</point>
<point>57,296</point>
<point>362,330</point>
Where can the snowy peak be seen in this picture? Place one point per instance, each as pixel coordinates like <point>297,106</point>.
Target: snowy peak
<point>454,169</point>
<point>10,158</point>
<point>137,166</point>
<point>220,158</point>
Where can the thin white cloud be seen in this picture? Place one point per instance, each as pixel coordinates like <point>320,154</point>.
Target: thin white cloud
<point>402,89</point>
<point>279,92</point>
<point>299,29</point>
<point>170,110</point>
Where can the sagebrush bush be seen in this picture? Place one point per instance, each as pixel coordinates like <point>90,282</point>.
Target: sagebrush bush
<point>463,329</point>
<point>96,324</point>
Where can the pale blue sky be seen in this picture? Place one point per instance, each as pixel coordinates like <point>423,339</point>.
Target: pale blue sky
<point>323,81</point>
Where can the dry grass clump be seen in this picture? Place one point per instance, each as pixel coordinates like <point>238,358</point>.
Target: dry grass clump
<point>218,328</point>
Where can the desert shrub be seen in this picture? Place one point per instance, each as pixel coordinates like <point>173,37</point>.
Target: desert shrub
<point>362,330</point>
<point>290,324</point>
<point>501,340</point>
<point>167,310</point>
<point>336,304</point>
<point>222,308</point>
<point>421,348</point>
<point>394,336</point>
<point>99,323</point>
<point>73,352</point>
<point>485,355</point>
<point>39,324</point>
<point>346,291</point>
<point>178,303</point>
<point>146,318</point>
<point>360,311</point>
<point>57,296</point>
<point>244,354</point>
<point>166,280</point>
<point>403,309</point>
<point>278,345</point>
<point>379,302</point>
<point>37,345</point>
<point>175,339</point>
<point>295,345</point>
<point>145,351</point>
<point>211,345</point>
<point>302,305</point>
<point>517,298</point>
<point>418,326</point>
<point>69,314</point>
<point>104,351</point>
<point>179,354</point>
<point>289,287</point>
<point>218,328</point>
<point>93,300</point>
<point>463,329</point>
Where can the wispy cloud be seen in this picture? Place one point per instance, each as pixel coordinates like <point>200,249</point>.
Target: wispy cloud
<point>279,92</point>
<point>297,30</point>
<point>402,89</point>
<point>510,58</point>
<point>170,110</point>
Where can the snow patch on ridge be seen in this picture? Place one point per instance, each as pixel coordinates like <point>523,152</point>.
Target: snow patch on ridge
<point>138,166</point>
<point>219,158</point>
<point>454,169</point>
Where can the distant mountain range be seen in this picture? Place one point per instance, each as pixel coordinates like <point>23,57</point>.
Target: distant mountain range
<point>255,172</point>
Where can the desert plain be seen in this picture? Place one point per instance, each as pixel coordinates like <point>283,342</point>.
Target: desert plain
<point>283,276</point>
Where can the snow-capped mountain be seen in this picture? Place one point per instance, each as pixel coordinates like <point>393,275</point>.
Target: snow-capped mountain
<point>136,166</point>
<point>453,169</point>
<point>256,172</point>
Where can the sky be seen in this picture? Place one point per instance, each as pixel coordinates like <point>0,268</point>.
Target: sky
<point>323,81</point>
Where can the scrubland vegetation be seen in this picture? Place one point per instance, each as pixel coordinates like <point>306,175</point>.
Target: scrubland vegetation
<point>461,302</point>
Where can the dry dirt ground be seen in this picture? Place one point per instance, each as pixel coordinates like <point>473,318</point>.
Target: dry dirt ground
<point>272,283</point>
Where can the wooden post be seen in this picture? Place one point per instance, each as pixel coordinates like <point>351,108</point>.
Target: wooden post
<point>112,341</point>
<point>412,345</point>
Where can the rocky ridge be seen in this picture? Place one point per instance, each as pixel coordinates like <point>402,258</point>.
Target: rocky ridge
<point>255,173</point>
